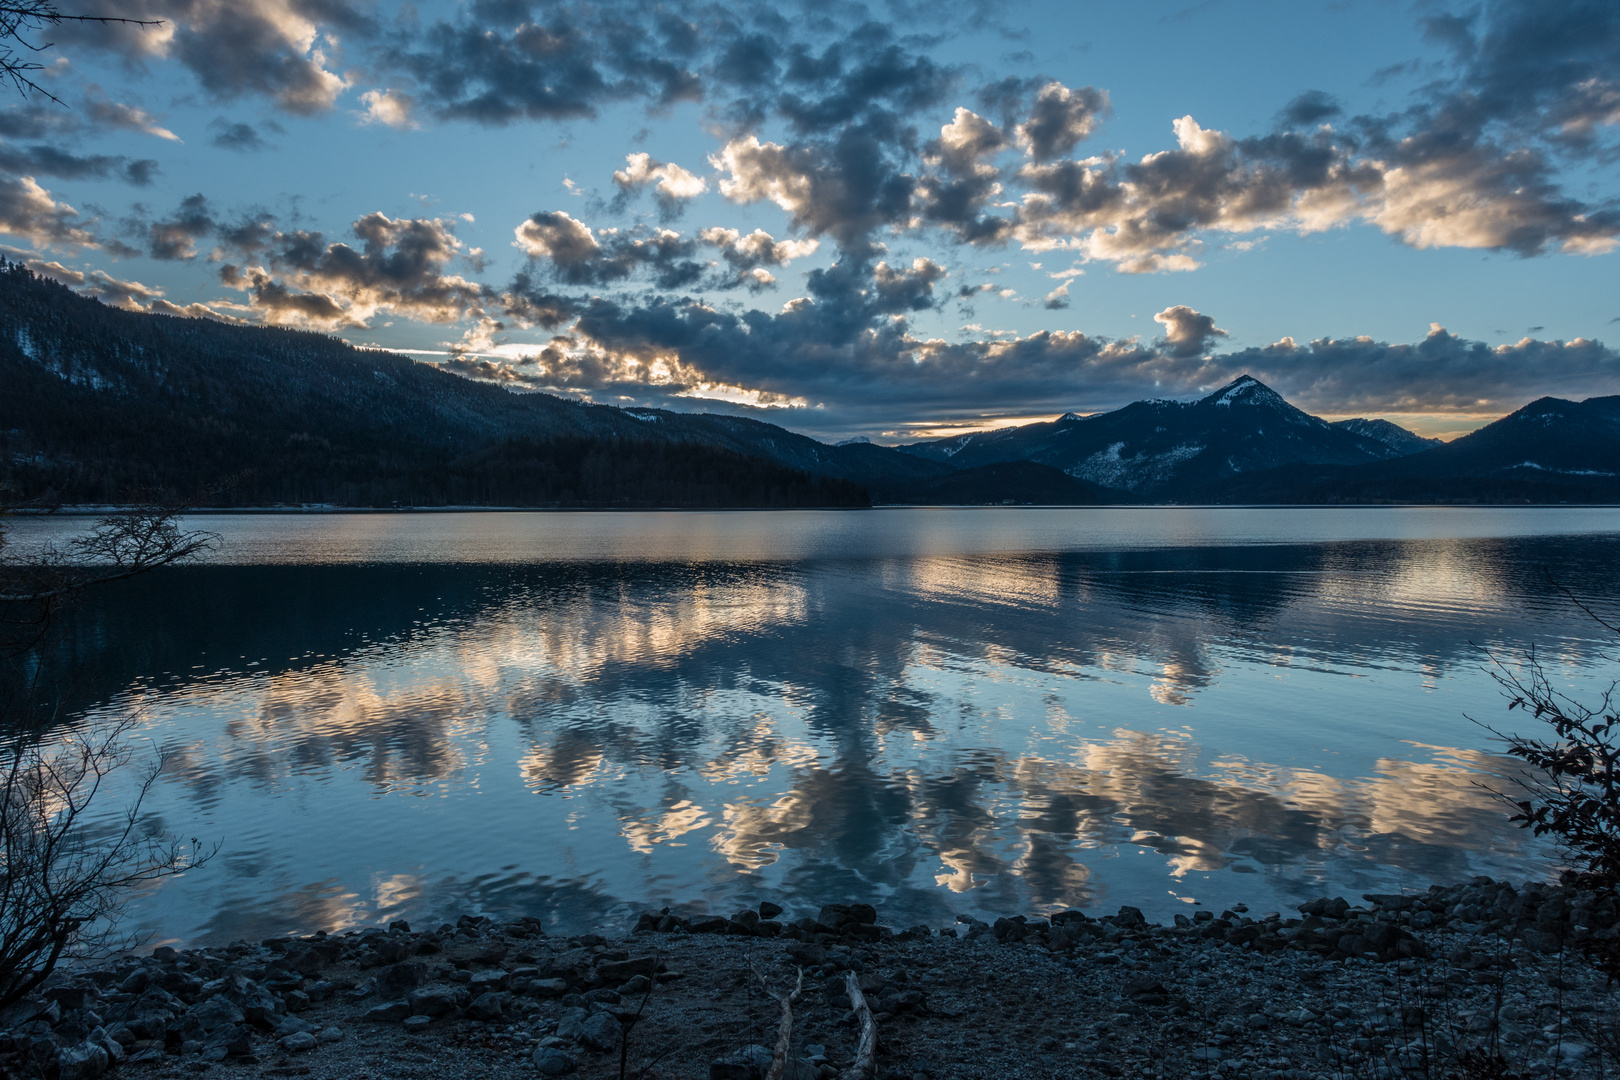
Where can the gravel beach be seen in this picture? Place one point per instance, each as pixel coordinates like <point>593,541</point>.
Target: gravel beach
<point>1479,979</point>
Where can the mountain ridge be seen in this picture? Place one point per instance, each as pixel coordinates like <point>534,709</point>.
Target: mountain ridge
<point>98,404</point>
<point>1168,449</point>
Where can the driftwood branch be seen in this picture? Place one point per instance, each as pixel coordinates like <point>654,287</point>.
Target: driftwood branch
<point>861,1068</point>
<point>784,1028</point>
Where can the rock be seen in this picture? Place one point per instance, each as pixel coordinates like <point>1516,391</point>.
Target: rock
<point>234,1041</point>
<point>402,978</point>
<point>330,1035</point>
<point>69,997</point>
<point>572,1025</point>
<point>415,1025</point>
<point>548,988</point>
<point>618,971</point>
<point>601,1031</point>
<point>292,1026</point>
<point>296,1001</point>
<point>488,1007</point>
<point>901,1001</point>
<point>487,982</point>
<point>838,916</point>
<point>259,1006</point>
<point>749,1063</point>
<point>1144,985</point>
<point>709,924</point>
<point>807,955</point>
<point>432,1001</point>
<point>215,1013</point>
<point>811,926</point>
<point>768,910</point>
<point>636,986</point>
<point>1130,916</point>
<point>549,1061</point>
<point>82,1062</point>
<point>569,963</point>
<point>298,1042</point>
<point>390,1012</point>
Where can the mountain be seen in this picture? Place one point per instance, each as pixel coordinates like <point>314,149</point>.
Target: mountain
<point>103,405</point>
<point>1549,451</point>
<point>1173,449</point>
<point>1391,435</point>
<point>99,404</point>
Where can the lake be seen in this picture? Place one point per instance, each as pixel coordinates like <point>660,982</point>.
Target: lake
<point>939,711</point>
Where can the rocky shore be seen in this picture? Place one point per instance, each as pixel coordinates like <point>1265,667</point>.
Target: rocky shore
<point>1479,979</point>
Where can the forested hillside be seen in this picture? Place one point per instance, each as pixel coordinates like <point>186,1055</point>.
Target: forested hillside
<point>102,405</point>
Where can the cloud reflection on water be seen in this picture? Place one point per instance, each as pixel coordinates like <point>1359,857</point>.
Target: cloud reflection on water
<point>944,734</point>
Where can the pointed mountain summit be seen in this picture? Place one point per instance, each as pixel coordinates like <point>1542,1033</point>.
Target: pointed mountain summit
<point>1173,449</point>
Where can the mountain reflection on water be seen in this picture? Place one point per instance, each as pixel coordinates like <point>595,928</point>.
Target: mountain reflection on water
<point>986,733</point>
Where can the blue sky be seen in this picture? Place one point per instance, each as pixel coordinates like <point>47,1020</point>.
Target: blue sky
<point>881,220</point>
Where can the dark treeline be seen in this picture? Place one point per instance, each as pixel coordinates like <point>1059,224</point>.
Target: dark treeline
<point>580,471</point>
<point>99,405</point>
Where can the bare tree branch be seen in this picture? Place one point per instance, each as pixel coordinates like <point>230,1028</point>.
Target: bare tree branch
<point>22,17</point>
<point>35,584</point>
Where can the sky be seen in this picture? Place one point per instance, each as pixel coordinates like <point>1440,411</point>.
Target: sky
<point>893,220</point>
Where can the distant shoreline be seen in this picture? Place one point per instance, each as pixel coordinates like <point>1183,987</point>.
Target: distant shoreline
<point>101,510</point>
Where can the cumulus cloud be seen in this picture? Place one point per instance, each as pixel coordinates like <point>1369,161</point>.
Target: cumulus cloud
<point>129,295</point>
<point>1060,118</point>
<point>241,136</point>
<point>108,113</point>
<point>578,256</point>
<point>399,267</point>
<point>843,190</point>
<point>554,235</point>
<point>671,183</point>
<point>757,248</point>
<point>44,160</point>
<point>906,289</point>
<point>388,107</point>
<point>193,311</point>
<point>1186,332</point>
<point>1146,216</point>
<point>847,349</point>
<point>961,181</point>
<point>176,237</point>
<point>33,213</point>
<point>34,121</point>
<point>497,64</point>
<point>279,49</point>
<point>1440,374</point>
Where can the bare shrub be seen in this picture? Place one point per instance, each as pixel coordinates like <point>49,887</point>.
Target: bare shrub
<point>1573,791</point>
<point>67,868</point>
<point>66,876</point>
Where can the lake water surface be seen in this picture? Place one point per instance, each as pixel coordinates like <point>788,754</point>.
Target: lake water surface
<point>985,711</point>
